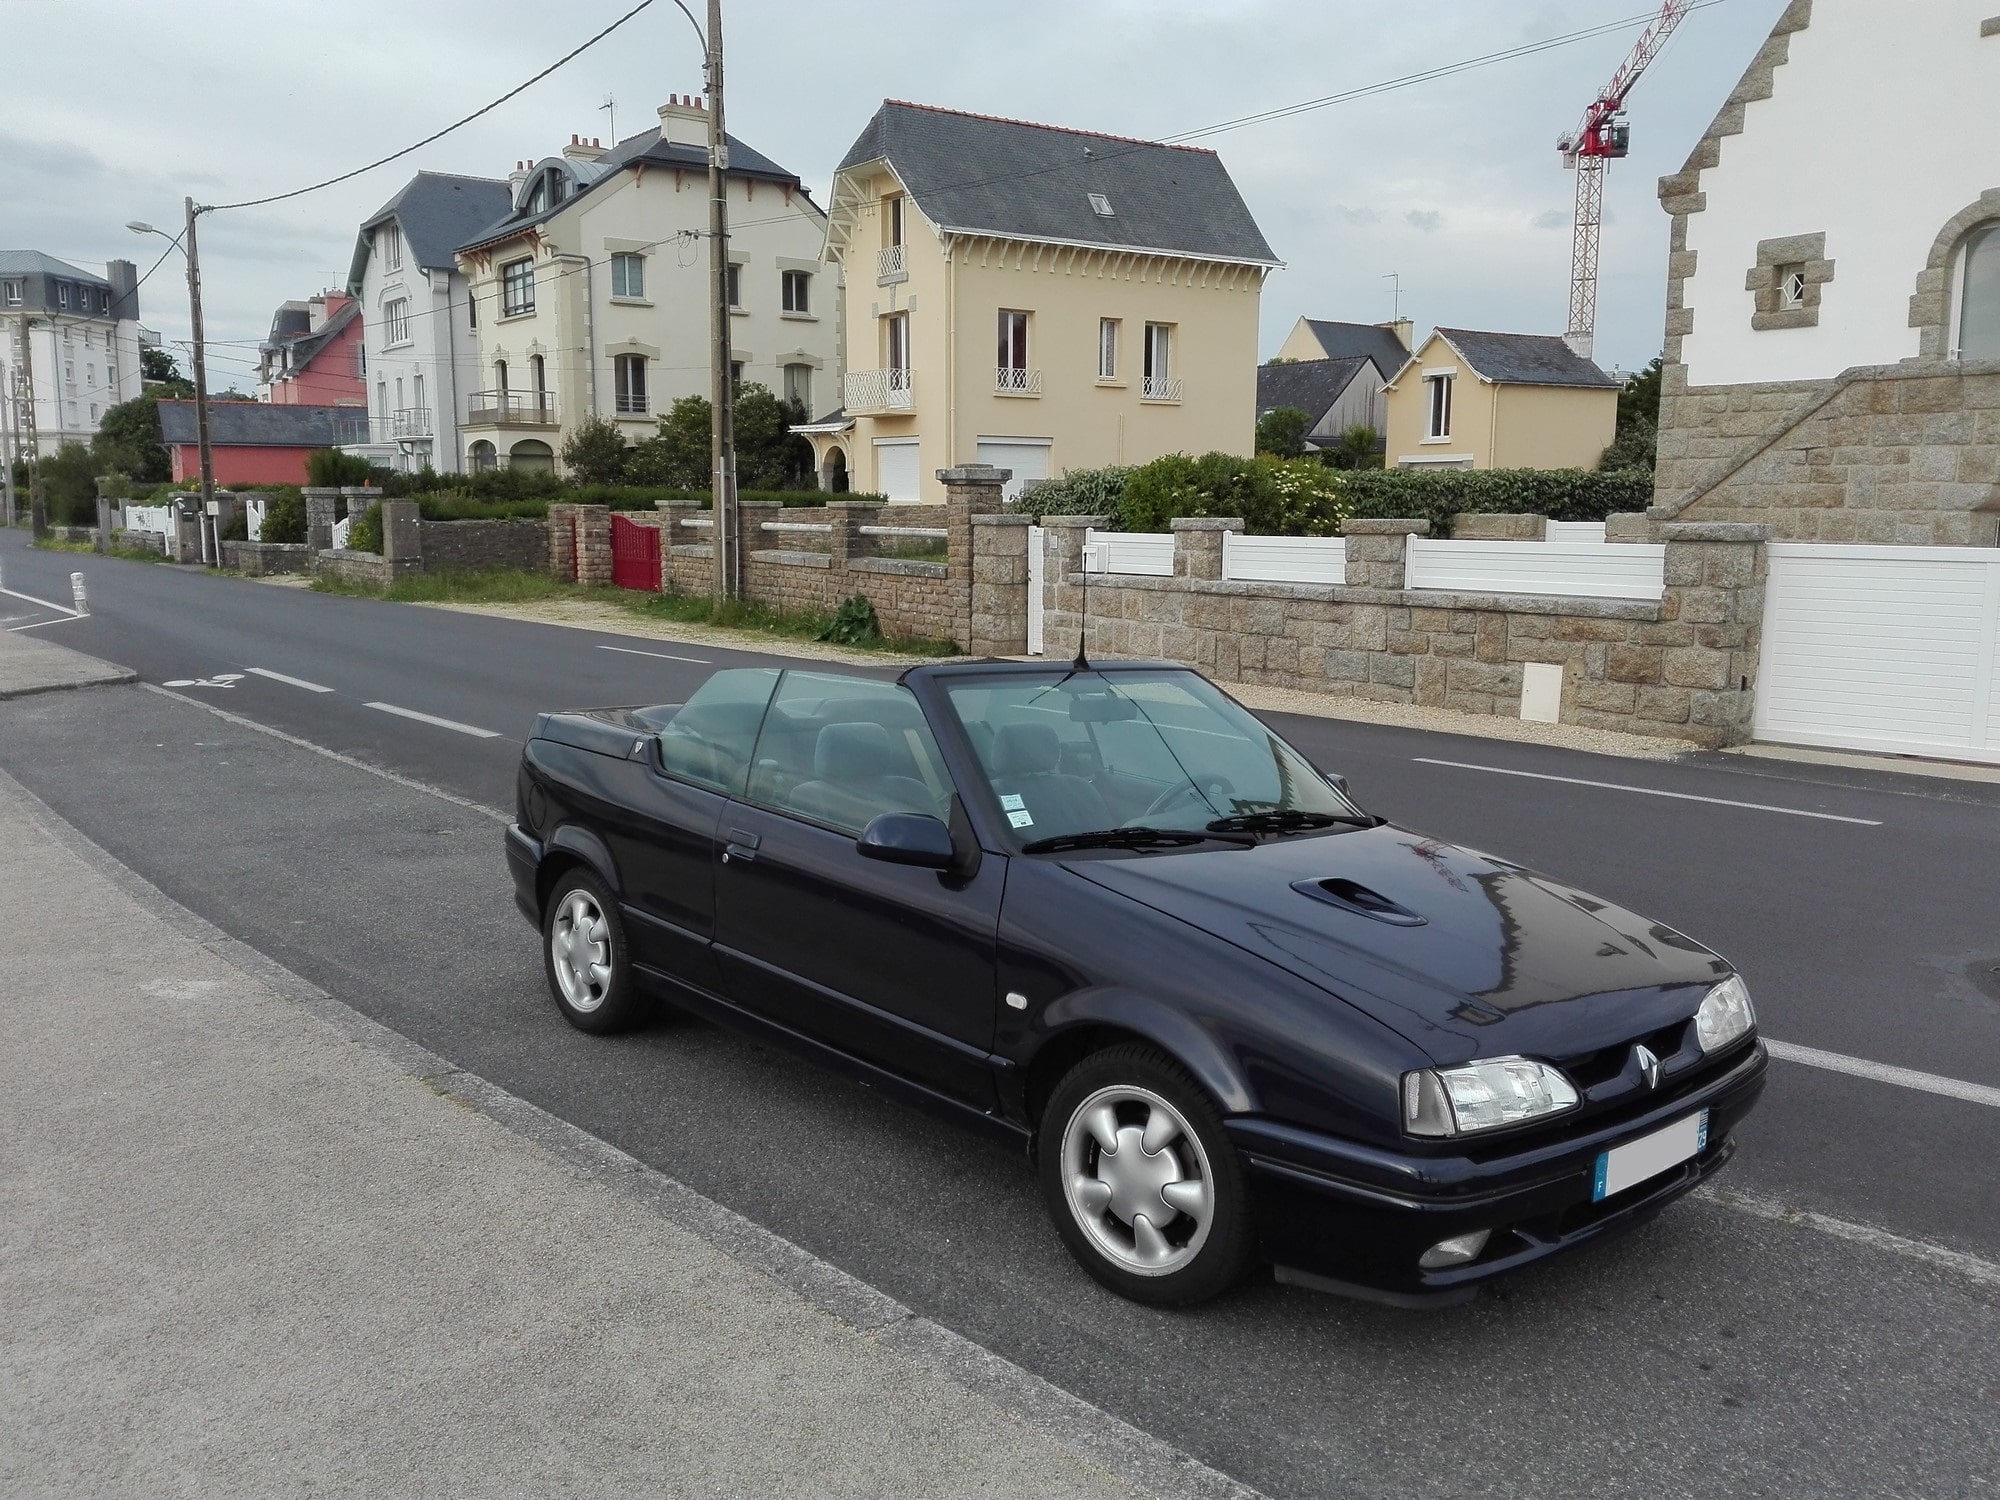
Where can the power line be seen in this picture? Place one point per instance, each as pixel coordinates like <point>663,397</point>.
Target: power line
<point>441,134</point>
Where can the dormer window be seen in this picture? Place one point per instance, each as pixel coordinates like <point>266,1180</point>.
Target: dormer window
<point>1100,205</point>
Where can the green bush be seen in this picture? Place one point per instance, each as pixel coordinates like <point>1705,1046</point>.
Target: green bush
<point>1436,495</point>
<point>853,624</point>
<point>237,528</point>
<point>1080,492</point>
<point>285,516</point>
<point>594,452</point>
<point>364,532</point>
<point>329,468</point>
<point>1282,430</point>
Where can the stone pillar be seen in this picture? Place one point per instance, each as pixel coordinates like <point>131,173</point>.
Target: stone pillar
<point>847,542</point>
<point>103,524</point>
<point>562,542</point>
<point>1711,624</point>
<point>402,533</point>
<point>999,586</point>
<point>1198,544</point>
<point>1063,596</point>
<point>969,490</point>
<point>593,546</point>
<point>1629,526</point>
<point>227,506</point>
<point>358,497</point>
<point>1496,526</point>
<point>1375,551</point>
<point>750,534</point>
<point>322,510</point>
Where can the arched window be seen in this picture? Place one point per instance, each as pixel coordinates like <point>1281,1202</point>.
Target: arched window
<point>1978,309</point>
<point>484,456</point>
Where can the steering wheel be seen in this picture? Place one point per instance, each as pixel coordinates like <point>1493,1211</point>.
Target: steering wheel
<point>1213,788</point>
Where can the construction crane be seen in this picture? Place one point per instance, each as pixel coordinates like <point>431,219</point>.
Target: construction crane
<point>1587,150</point>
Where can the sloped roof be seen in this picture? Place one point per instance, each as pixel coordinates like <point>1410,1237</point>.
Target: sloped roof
<point>985,175</point>
<point>1307,385</point>
<point>436,211</point>
<point>256,424</point>
<point>34,263</point>
<point>306,344</point>
<point>1525,359</point>
<point>1370,340</point>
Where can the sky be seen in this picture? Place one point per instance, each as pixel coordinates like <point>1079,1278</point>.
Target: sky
<point>1453,186</point>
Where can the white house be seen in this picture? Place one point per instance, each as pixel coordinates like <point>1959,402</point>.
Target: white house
<point>421,353</point>
<point>592,289</point>
<point>1832,360</point>
<point>82,335</point>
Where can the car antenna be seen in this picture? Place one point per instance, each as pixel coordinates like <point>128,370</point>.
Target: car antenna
<point>1082,662</point>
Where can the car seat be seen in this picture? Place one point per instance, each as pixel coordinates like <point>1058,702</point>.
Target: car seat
<point>1026,764</point>
<point>858,773</point>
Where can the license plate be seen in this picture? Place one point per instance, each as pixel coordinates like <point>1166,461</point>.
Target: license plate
<point>1632,1163</point>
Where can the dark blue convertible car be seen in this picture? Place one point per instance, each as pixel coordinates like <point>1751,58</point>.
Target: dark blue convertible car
<point>1107,913</point>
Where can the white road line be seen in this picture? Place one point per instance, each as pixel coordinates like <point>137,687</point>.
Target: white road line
<point>58,620</point>
<point>1907,1078</point>
<point>700,661</point>
<point>1972,1267</point>
<point>410,713</point>
<point>297,682</point>
<point>61,609</point>
<point>1647,791</point>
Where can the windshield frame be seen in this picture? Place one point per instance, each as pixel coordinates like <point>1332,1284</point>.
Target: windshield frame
<point>983,799</point>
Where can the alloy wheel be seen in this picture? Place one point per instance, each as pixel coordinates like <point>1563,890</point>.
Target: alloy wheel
<point>1137,1180</point>
<point>580,943</point>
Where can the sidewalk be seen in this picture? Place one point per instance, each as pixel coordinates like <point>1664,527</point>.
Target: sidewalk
<point>253,1243</point>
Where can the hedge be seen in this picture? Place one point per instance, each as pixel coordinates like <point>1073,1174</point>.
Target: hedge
<point>452,505</point>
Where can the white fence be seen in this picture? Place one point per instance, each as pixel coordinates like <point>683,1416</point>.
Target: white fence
<point>1149,554</point>
<point>158,518</point>
<point>340,531</point>
<point>1589,570</point>
<point>1575,531</point>
<point>253,519</point>
<point>1284,559</point>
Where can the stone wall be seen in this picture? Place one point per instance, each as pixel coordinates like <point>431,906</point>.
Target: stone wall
<point>1682,668</point>
<point>362,569</point>
<point>263,559</point>
<point>1904,455</point>
<point>519,543</point>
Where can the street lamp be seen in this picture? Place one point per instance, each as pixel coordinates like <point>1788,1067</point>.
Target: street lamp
<point>193,254</point>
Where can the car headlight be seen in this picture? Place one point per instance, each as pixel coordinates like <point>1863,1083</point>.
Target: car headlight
<point>1725,1015</point>
<point>1483,1096</point>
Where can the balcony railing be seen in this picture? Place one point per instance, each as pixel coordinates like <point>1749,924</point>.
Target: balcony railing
<point>888,262</point>
<point>631,404</point>
<point>1160,388</point>
<point>407,422</point>
<point>511,409</point>
<point>1011,381</point>
<point>878,390</point>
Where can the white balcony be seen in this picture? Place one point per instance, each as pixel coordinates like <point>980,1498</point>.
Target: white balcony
<point>510,409</point>
<point>877,390</point>
<point>889,265</point>
<point>1160,388</point>
<point>1011,381</point>
<point>405,422</point>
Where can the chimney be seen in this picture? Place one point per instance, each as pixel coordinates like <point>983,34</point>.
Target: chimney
<point>515,178</point>
<point>1403,328</point>
<point>579,149</point>
<point>124,279</point>
<point>316,311</point>
<point>684,121</point>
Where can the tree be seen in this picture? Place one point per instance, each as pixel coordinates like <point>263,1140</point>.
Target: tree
<point>1360,447</point>
<point>69,481</point>
<point>1282,430</point>
<point>678,458</point>
<point>156,365</point>
<point>768,455</point>
<point>594,452</point>
<point>1639,398</point>
<point>128,441</point>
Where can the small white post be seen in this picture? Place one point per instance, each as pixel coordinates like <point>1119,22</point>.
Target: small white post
<point>76,592</point>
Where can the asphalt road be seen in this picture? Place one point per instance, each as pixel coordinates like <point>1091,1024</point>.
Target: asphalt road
<point>1718,1350</point>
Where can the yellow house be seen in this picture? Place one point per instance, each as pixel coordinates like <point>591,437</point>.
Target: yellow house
<point>1472,400</point>
<point>1036,298</point>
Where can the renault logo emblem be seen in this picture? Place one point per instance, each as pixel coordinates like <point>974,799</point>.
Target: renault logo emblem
<point>1649,1065</point>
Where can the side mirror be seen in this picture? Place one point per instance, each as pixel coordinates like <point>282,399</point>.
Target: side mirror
<point>908,839</point>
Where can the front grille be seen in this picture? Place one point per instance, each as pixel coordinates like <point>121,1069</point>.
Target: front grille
<point>1592,1070</point>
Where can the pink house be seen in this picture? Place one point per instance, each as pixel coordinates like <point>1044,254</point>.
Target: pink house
<point>313,356</point>
<point>255,442</point>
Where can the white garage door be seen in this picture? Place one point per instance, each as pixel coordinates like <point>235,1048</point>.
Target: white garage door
<point>1027,457</point>
<point>897,470</point>
<point>1882,648</point>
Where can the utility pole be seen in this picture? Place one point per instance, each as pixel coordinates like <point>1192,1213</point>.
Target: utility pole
<point>27,441</point>
<point>200,364</point>
<point>10,445</point>
<point>722,431</point>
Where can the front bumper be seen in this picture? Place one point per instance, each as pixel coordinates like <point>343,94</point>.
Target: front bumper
<point>1348,1217</point>
<point>524,862</point>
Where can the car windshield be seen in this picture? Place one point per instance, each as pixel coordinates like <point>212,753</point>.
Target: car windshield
<point>1074,752</point>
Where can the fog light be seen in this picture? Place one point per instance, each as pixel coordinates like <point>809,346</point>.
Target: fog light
<point>1455,1251</point>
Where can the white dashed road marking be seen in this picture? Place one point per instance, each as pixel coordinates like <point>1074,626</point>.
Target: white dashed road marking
<point>297,682</point>
<point>1907,1078</point>
<point>700,661</point>
<point>1648,791</point>
<point>410,713</point>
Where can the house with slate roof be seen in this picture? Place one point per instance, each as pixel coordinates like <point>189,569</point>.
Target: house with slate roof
<point>591,292</point>
<point>1037,298</point>
<point>416,313</point>
<point>254,442</point>
<point>1335,395</point>
<point>1473,400</point>
<point>1387,344</point>
<point>313,354</point>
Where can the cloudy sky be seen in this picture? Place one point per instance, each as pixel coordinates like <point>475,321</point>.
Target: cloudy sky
<point>125,106</point>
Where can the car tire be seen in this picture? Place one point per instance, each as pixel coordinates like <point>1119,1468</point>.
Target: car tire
<point>1172,1153</point>
<point>584,955</point>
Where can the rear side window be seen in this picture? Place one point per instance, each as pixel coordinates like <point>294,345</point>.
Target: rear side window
<point>709,741</point>
<point>839,750</point>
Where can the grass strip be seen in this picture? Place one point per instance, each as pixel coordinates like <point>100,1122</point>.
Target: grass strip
<point>130,554</point>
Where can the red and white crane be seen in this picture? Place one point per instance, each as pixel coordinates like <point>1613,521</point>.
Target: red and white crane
<point>1601,136</point>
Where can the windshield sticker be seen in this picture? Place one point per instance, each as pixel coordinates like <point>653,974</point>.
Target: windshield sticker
<point>1012,802</point>
<point>1021,819</point>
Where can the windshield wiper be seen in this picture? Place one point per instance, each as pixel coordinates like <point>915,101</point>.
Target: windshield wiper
<point>1290,820</point>
<point>1133,838</point>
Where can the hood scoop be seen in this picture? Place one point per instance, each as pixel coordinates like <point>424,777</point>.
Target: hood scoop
<point>1352,896</point>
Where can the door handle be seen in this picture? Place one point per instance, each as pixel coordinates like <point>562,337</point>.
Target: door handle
<point>742,845</point>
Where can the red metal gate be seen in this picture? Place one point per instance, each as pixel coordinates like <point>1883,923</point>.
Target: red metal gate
<point>635,555</point>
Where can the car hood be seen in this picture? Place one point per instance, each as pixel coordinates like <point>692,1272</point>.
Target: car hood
<point>1464,954</point>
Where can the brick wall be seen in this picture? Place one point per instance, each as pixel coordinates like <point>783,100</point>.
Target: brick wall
<point>1684,668</point>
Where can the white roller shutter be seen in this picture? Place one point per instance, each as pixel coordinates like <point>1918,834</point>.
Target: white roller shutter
<point>1027,457</point>
<point>897,468</point>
